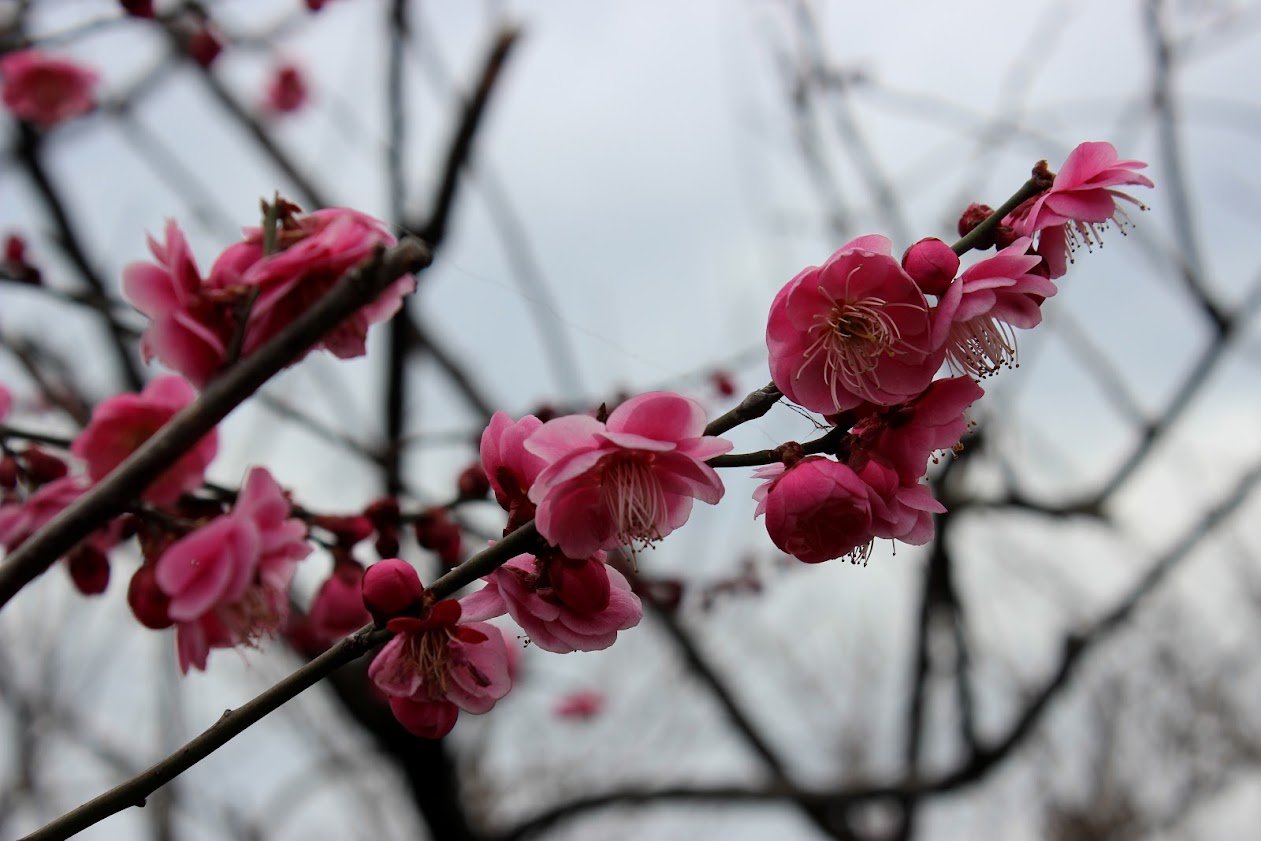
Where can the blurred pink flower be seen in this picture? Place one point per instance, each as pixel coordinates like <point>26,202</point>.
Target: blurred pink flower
<point>6,402</point>
<point>816,510</point>
<point>562,604</point>
<point>437,663</point>
<point>581,705</point>
<point>337,609</point>
<point>391,588</point>
<point>287,91</point>
<point>46,90</point>
<point>228,581</point>
<point>191,326</point>
<point>1079,203</point>
<point>973,320</point>
<point>121,424</point>
<point>628,481</point>
<point>855,329</point>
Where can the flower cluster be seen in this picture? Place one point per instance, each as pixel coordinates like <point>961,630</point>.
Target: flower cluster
<point>858,340</point>
<point>250,295</point>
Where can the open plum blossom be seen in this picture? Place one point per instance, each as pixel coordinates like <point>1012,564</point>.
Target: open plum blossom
<point>46,90</point>
<point>1079,203</point>
<point>564,605</point>
<point>195,318</point>
<point>228,581</point>
<point>974,317</point>
<point>437,665</point>
<point>630,480</point>
<point>855,329</point>
<point>121,424</point>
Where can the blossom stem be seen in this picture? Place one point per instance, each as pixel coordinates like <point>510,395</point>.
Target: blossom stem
<point>231,724</point>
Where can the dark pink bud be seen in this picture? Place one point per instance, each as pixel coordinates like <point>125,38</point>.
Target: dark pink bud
<point>722,383</point>
<point>473,483</point>
<point>582,586</point>
<point>383,512</point>
<point>8,473</point>
<point>974,215</point>
<point>204,46</point>
<point>931,264</point>
<point>138,8</point>
<point>147,601</point>
<point>436,532</point>
<point>346,530</point>
<point>14,249</point>
<point>391,588</point>
<point>42,467</point>
<point>89,569</point>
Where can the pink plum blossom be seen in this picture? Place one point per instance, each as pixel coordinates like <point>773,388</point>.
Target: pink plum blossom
<point>195,319</point>
<point>630,480</point>
<point>315,251</point>
<point>906,435</point>
<point>816,510</point>
<point>6,402</point>
<point>437,665</point>
<point>191,326</point>
<point>228,581</point>
<point>562,604</point>
<point>974,317</point>
<point>899,511</point>
<point>46,90</point>
<point>1079,203</point>
<point>855,329</point>
<point>121,424</point>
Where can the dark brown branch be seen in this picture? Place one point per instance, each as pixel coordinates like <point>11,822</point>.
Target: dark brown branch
<point>28,150</point>
<point>110,496</point>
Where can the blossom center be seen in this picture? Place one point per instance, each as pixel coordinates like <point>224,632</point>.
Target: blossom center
<point>852,338</point>
<point>257,614</point>
<point>429,652</point>
<point>634,498</point>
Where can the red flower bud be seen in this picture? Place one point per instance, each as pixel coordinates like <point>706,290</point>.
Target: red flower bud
<point>89,569</point>
<point>582,586</point>
<point>391,588</point>
<point>473,483</point>
<point>147,601</point>
<point>931,264</point>
<point>42,467</point>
